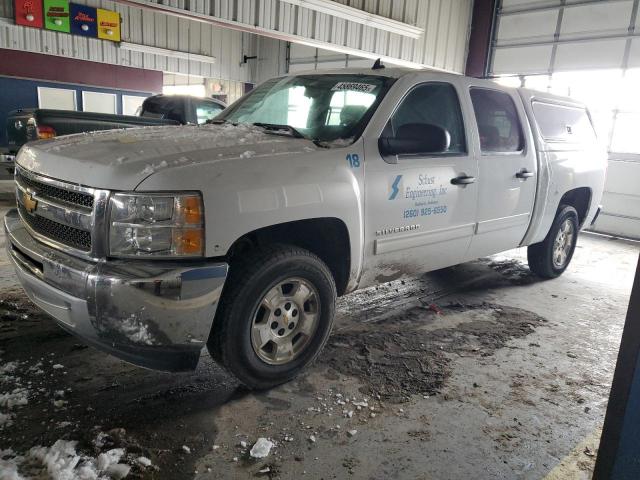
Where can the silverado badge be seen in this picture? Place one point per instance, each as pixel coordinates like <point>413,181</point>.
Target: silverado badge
<point>30,203</point>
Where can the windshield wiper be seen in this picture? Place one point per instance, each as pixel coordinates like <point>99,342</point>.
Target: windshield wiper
<point>275,129</point>
<point>216,121</point>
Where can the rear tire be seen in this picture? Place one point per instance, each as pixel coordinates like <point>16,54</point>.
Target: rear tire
<point>551,257</point>
<point>275,315</point>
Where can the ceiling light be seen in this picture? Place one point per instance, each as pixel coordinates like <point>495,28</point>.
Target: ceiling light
<point>356,15</point>
<point>136,47</point>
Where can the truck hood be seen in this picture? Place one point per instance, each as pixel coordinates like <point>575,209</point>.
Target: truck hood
<point>121,159</point>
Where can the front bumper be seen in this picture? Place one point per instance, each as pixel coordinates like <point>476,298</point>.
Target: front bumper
<point>153,314</point>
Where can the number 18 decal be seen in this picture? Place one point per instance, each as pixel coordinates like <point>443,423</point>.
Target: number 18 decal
<point>354,160</point>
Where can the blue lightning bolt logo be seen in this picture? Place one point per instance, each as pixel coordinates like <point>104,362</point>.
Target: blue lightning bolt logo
<point>394,188</point>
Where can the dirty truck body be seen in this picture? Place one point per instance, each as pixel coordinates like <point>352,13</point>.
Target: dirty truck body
<point>154,243</point>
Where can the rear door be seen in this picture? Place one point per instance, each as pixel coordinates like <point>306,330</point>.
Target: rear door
<point>415,218</point>
<point>508,170</point>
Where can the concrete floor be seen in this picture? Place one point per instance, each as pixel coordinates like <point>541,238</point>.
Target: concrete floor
<point>477,371</point>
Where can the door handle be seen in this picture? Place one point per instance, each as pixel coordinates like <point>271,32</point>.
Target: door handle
<point>463,180</point>
<point>524,174</point>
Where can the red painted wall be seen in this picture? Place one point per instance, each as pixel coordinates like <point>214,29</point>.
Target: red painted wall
<point>15,63</point>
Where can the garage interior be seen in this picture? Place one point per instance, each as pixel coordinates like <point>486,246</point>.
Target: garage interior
<point>482,370</point>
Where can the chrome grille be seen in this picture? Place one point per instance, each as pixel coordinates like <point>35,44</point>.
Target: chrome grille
<point>55,193</point>
<point>66,216</point>
<point>73,237</point>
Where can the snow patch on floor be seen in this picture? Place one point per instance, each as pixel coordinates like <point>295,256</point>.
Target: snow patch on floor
<point>61,461</point>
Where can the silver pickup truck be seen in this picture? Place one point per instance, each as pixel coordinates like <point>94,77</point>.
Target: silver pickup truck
<point>153,243</point>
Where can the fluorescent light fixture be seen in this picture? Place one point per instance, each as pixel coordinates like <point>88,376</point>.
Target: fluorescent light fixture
<point>136,47</point>
<point>352,14</point>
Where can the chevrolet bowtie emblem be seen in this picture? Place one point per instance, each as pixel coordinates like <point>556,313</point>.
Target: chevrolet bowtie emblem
<point>30,204</point>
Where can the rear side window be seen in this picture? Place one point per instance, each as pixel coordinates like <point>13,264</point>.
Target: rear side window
<point>563,123</point>
<point>434,104</point>
<point>498,124</point>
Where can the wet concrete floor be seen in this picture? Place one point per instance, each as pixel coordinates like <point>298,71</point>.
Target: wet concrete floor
<point>476,371</point>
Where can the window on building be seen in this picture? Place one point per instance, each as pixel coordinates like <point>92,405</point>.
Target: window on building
<point>99,102</point>
<point>131,104</point>
<point>56,98</point>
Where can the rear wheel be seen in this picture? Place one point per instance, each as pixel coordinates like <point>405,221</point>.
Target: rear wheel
<point>275,315</point>
<point>552,256</point>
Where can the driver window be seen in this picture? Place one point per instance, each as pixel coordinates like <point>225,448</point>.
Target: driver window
<point>434,104</point>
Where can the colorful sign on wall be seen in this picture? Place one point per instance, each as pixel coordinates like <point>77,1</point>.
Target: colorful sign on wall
<point>84,20</point>
<point>108,25</point>
<point>62,16</point>
<point>28,13</point>
<point>56,15</point>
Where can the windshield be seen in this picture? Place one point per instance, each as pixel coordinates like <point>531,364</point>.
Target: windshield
<point>322,108</point>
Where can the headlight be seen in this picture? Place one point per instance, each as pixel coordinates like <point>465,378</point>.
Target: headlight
<point>156,225</point>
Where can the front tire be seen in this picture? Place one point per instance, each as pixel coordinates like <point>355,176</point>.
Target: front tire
<point>551,257</point>
<point>275,316</point>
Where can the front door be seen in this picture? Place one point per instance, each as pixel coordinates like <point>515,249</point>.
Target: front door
<point>507,172</point>
<point>416,219</point>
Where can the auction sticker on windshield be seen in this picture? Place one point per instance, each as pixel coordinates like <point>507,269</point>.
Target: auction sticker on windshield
<point>354,87</point>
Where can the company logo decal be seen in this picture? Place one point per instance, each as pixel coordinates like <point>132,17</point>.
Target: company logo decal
<point>395,188</point>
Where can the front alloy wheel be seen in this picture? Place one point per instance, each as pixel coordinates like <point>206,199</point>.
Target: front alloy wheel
<point>275,315</point>
<point>285,321</point>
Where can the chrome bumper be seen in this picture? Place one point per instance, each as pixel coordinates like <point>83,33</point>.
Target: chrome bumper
<point>153,314</point>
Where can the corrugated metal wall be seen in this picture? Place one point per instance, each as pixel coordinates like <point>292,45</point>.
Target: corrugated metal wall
<point>443,44</point>
<point>143,27</point>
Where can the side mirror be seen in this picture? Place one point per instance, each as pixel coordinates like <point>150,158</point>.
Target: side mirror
<point>416,138</point>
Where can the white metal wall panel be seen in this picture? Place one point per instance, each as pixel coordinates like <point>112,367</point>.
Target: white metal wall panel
<point>576,35</point>
<point>598,18</point>
<point>634,53</point>
<point>522,60</point>
<point>621,199</point>
<point>534,26</point>
<point>590,55</point>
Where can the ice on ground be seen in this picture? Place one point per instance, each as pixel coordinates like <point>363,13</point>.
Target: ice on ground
<point>57,366</point>
<point>6,420</point>
<point>261,448</point>
<point>17,397</point>
<point>186,449</point>
<point>9,463</point>
<point>108,458</point>
<point>247,154</point>
<point>8,368</point>
<point>62,462</point>
<point>118,471</point>
<point>144,461</point>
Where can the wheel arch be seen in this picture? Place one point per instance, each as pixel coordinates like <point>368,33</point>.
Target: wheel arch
<point>580,199</point>
<point>326,237</point>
